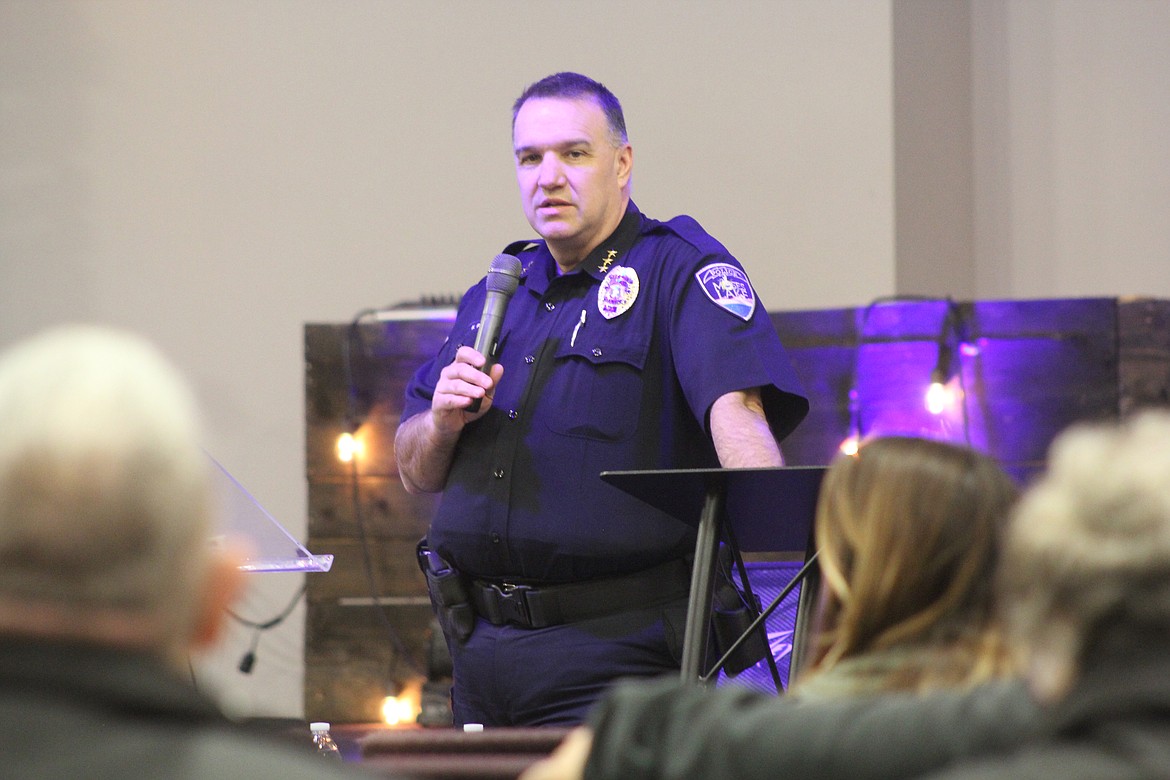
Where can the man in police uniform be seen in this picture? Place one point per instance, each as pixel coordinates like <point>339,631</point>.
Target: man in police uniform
<point>629,344</point>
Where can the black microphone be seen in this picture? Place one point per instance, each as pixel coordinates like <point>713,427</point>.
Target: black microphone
<point>503,278</point>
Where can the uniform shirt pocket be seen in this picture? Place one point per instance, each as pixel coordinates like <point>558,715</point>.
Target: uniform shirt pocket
<point>595,389</point>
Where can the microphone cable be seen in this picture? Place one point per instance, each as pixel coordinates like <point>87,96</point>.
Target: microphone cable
<point>248,661</point>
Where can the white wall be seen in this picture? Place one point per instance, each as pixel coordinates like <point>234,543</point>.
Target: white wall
<point>933,178</point>
<point>1072,163</point>
<point>217,173</point>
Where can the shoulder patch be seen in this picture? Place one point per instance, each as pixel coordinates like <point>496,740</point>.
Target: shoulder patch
<point>727,286</point>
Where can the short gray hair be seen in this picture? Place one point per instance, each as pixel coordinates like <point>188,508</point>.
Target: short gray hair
<point>104,490</point>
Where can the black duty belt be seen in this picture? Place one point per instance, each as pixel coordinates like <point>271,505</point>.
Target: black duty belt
<point>540,606</point>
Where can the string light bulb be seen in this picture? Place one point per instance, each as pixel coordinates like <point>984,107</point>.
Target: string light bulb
<point>396,710</point>
<point>852,442</point>
<point>942,394</point>
<point>349,447</point>
<point>936,394</point>
<point>850,445</point>
<point>404,706</point>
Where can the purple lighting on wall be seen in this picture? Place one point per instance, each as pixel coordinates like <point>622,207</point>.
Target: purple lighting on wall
<point>910,373</point>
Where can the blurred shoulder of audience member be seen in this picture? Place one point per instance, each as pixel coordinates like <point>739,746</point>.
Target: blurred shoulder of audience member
<point>669,730</point>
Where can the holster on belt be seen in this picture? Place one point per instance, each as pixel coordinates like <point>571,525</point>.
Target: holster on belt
<point>448,591</point>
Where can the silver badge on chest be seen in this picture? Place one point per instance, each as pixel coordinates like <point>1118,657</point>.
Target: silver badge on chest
<point>618,291</point>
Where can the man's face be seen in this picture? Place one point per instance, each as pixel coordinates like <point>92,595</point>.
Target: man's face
<point>572,179</point>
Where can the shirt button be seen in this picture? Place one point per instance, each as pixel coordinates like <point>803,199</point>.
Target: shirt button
<point>550,306</point>
<point>513,414</point>
<point>498,473</point>
<point>495,538</point>
<point>529,359</point>
<point>597,352</point>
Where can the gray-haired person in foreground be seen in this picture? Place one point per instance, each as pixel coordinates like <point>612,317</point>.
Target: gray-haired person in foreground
<point>108,578</point>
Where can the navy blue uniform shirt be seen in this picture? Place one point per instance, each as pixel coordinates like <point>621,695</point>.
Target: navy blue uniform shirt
<point>611,367</point>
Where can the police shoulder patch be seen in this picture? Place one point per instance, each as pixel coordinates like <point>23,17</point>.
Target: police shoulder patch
<point>728,287</point>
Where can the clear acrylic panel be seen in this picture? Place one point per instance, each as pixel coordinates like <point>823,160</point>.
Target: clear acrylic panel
<point>271,546</point>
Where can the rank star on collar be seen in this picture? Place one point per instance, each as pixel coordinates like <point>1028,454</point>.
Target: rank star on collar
<point>609,258</point>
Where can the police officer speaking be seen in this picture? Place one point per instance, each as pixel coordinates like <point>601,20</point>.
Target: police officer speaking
<point>629,343</point>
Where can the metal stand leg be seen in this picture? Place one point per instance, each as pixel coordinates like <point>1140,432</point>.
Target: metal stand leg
<point>702,587</point>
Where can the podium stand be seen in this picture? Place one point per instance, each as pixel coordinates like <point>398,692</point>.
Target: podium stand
<point>271,547</point>
<point>763,510</point>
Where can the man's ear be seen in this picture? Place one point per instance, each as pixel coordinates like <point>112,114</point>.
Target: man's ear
<point>625,165</point>
<point>223,584</point>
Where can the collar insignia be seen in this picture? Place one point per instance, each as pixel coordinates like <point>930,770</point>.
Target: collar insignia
<point>608,261</point>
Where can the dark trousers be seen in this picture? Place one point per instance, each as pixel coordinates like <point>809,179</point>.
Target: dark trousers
<point>511,676</point>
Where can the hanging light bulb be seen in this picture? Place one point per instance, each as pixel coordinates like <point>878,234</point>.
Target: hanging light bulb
<point>943,393</point>
<point>396,710</point>
<point>937,394</point>
<point>850,445</point>
<point>403,705</point>
<point>852,442</point>
<point>349,447</point>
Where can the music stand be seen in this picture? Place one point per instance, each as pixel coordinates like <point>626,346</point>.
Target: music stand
<point>767,510</point>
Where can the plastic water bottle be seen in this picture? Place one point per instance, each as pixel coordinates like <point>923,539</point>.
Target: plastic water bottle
<point>323,741</point>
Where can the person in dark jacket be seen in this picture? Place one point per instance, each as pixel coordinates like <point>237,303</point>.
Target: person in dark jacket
<point>108,576</point>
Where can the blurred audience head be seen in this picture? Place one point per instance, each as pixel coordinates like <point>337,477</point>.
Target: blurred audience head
<point>105,497</point>
<point>1087,555</point>
<point>908,532</point>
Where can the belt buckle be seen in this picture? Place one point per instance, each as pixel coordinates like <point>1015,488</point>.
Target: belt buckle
<point>513,603</point>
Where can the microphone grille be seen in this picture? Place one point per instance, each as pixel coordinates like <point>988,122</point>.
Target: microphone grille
<point>504,274</point>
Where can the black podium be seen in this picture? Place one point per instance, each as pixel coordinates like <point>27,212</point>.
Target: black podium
<point>761,510</point>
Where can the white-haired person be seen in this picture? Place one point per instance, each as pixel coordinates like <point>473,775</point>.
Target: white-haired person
<point>1085,586</point>
<point>108,578</point>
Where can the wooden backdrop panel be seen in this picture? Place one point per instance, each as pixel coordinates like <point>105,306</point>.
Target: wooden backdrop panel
<point>1029,368</point>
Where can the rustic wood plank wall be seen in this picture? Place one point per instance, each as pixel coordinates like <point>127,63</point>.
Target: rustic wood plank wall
<point>1029,369</point>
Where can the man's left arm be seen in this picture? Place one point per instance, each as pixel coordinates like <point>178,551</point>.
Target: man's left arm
<point>740,430</point>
